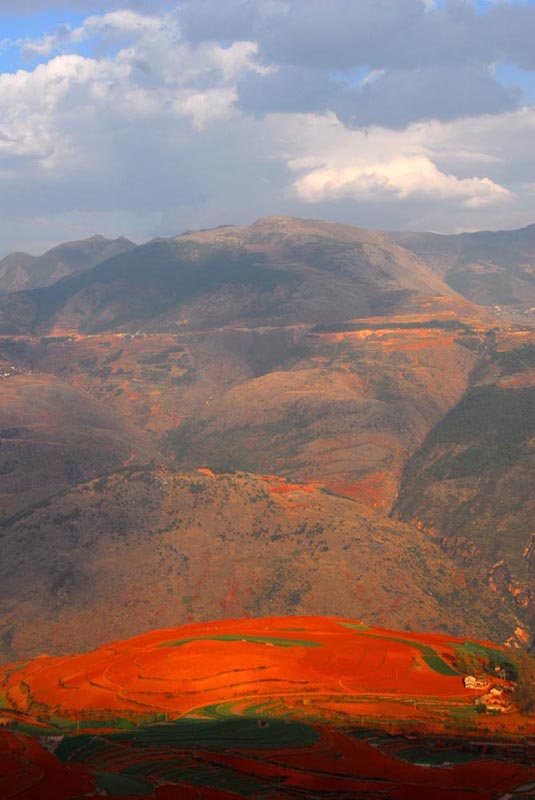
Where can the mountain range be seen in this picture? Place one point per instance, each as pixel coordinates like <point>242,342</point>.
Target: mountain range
<point>19,271</point>
<point>294,417</point>
<point>487,267</point>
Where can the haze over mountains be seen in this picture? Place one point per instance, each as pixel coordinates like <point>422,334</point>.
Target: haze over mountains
<point>353,408</point>
<point>23,271</point>
<point>488,267</point>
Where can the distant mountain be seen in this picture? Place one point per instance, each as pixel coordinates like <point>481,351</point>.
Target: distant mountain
<point>487,267</point>
<point>20,271</point>
<point>277,271</point>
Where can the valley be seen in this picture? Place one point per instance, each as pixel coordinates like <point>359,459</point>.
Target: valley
<point>138,439</point>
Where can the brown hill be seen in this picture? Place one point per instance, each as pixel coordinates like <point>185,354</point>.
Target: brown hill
<point>346,405</point>
<point>487,267</point>
<point>277,271</point>
<point>140,548</point>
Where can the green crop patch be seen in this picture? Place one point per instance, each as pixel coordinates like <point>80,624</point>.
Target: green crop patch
<point>493,657</point>
<point>436,662</point>
<point>430,656</point>
<point>274,641</point>
<point>119,785</point>
<point>213,733</point>
<point>355,626</point>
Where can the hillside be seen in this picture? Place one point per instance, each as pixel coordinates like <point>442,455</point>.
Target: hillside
<point>53,436</point>
<point>119,555</point>
<point>274,708</point>
<point>22,271</point>
<point>471,483</point>
<point>277,271</point>
<point>339,406</point>
<point>487,267</point>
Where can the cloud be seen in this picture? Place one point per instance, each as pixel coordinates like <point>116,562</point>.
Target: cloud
<point>430,60</point>
<point>155,78</point>
<point>27,7</point>
<point>115,25</point>
<point>392,98</point>
<point>398,179</point>
<point>146,123</point>
<point>381,166</point>
<point>343,34</point>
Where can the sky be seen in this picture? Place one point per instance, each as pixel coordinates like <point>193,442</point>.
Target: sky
<point>145,119</point>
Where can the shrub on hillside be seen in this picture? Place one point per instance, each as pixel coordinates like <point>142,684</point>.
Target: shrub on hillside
<point>525,683</point>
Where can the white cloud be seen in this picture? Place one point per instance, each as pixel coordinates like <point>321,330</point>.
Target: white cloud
<point>155,77</point>
<point>398,179</point>
<point>123,22</point>
<point>437,175</point>
<point>379,165</point>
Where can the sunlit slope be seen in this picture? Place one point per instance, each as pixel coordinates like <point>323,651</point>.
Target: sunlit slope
<point>345,405</point>
<point>276,708</point>
<point>343,666</point>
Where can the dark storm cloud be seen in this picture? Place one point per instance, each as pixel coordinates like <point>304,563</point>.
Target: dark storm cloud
<point>343,34</point>
<point>290,89</point>
<point>392,99</point>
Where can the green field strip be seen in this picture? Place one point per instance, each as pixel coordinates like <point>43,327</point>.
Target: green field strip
<point>295,630</point>
<point>147,766</point>
<point>260,709</point>
<point>430,656</point>
<point>224,779</point>
<point>494,655</point>
<point>222,711</point>
<point>267,640</point>
<point>354,626</point>
<point>119,785</point>
<point>115,759</point>
<point>81,748</point>
<point>37,730</point>
<point>270,711</point>
<point>233,732</point>
<point>425,757</point>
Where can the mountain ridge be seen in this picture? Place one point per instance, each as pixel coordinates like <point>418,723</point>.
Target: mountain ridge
<point>21,271</point>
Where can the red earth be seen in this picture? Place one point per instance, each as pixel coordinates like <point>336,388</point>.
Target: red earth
<point>287,707</point>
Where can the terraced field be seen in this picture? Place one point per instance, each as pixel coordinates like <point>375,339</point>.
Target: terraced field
<point>272,708</point>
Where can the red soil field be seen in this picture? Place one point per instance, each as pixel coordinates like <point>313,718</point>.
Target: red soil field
<point>286,707</point>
